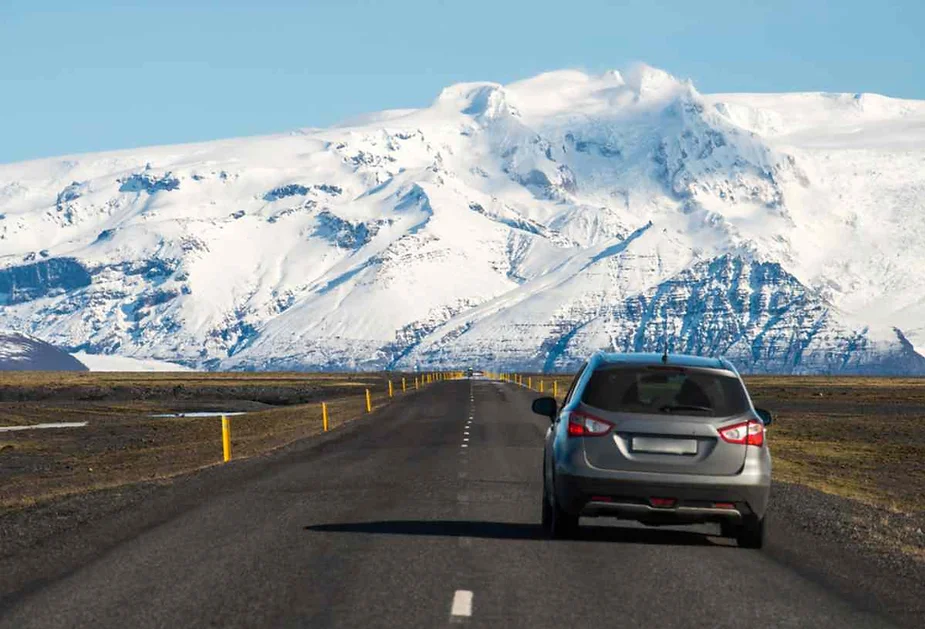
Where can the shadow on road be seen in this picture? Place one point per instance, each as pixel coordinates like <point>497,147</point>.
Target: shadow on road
<point>511,530</point>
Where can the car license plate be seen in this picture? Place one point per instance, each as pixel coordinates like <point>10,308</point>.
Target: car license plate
<point>660,445</point>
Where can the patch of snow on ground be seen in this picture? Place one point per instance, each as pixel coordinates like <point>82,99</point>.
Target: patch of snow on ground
<point>109,362</point>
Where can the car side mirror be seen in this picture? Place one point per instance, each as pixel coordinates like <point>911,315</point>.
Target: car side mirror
<point>765,416</point>
<point>546,406</point>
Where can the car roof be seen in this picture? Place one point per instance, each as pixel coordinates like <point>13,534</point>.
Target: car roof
<point>651,358</point>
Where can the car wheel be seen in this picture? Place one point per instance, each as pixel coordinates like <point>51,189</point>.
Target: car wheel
<point>751,533</point>
<point>562,525</point>
<point>547,512</point>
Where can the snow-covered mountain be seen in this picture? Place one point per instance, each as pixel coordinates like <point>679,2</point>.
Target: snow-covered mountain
<point>517,226</point>
<point>21,352</point>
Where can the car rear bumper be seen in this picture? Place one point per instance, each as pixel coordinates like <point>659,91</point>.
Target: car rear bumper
<point>593,492</point>
<point>664,515</point>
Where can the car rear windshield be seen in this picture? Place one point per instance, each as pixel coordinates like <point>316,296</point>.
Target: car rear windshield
<point>658,389</point>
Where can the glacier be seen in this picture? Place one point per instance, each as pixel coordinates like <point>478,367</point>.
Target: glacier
<point>516,227</point>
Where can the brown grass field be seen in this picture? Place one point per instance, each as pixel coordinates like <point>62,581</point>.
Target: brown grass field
<point>122,443</point>
<point>861,438</point>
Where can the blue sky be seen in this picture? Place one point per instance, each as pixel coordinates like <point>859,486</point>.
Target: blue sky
<point>88,76</point>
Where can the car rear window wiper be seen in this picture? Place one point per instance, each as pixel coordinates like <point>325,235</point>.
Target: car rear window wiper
<point>669,408</point>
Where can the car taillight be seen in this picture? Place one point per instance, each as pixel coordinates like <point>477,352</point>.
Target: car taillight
<point>584,425</point>
<point>750,433</point>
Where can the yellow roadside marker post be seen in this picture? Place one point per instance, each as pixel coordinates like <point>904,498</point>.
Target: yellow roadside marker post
<point>402,385</point>
<point>390,388</point>
<point>555,388</point>
<point>369,402</point>
<point>226,439</point>
<point>324,416</point>
<point>529,382</point>
<point>541,386</point>
<point>415,383</point>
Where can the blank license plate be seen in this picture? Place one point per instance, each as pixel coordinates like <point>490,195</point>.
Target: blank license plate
<point>664,446</point>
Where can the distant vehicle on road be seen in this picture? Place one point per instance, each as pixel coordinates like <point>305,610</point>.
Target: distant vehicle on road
<point>658,439</point>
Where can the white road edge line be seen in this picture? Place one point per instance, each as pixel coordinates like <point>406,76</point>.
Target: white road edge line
<point>462,604</point>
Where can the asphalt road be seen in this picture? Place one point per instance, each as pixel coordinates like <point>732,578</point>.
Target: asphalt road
<point>424,514</point>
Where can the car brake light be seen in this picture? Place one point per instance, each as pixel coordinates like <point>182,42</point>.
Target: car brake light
<point>584,425</point>
<point>750,433</point>
<point>662,502</point>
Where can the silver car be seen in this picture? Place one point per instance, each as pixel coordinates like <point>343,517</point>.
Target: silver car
<point>658,439</point>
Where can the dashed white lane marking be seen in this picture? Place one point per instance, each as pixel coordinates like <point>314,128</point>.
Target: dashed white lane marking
<point>465,445</point>
<point>465,438</point>
<point>462,604</point>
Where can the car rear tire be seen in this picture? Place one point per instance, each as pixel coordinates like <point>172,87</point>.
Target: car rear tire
<point>751,533</point>
<point>547,513</point>
<point>557,523</point>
